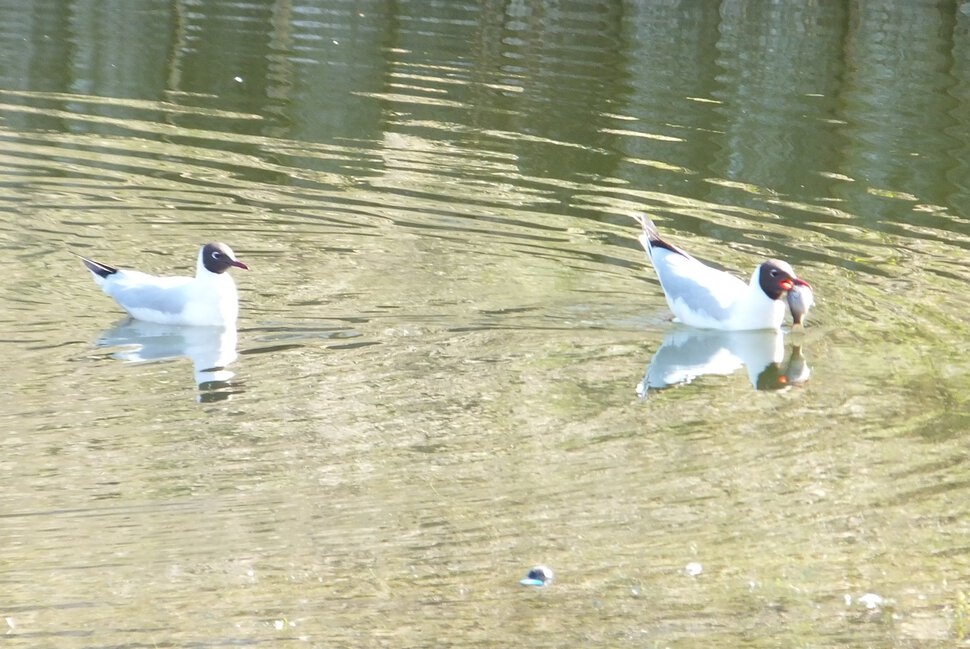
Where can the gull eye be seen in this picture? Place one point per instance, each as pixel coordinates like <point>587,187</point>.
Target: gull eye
<point>774,272</point>
<point>216,254</point>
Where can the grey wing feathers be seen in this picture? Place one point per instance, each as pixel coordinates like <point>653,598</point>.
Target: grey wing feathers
<point>696,296</point>
<point>165,299</point>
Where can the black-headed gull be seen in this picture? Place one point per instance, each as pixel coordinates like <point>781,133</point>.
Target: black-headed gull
<point>209,299</point>
<point>707,298</point>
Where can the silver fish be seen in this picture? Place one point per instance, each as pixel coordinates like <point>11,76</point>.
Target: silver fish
<point>800,300</point>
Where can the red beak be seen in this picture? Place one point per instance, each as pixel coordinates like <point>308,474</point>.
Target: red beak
<point>239,264</point>
<point>800,282</point>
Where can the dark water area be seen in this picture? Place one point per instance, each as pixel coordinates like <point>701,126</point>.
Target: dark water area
<point>454,361</point>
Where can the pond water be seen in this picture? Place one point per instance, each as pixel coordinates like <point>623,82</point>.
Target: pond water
<point>445,371</point>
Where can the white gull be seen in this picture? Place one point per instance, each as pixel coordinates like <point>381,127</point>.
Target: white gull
<point>208,299</point>
<point>706,298</point>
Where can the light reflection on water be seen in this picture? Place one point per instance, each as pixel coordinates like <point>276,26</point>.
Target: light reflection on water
<point>688,354</point>
<point>211,349</point>
<point>434,381</point>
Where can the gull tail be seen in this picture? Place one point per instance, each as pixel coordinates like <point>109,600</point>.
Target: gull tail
<point>650,237</point>
<point>649,229</point>
<point>99,269</point>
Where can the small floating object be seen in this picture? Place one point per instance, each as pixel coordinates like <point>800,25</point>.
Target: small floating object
<point>538,576</point>
<point>800,300</point>
<point>871,601</point>
<point>693,569</point>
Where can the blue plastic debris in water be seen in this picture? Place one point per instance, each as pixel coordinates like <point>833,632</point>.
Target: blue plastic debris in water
<point>538,576</point>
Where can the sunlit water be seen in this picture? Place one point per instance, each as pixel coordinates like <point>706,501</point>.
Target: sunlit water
<point>453,361</point>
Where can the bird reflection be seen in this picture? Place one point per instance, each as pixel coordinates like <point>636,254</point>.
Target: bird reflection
<point>211,350</point>
<point>689,353</point>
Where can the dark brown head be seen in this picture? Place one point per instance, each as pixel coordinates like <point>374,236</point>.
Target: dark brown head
<point>218,258</point>
<point>777,278</point>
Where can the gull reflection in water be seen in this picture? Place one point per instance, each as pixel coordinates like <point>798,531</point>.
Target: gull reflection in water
<point>211,350</point>
<point>690,353</point>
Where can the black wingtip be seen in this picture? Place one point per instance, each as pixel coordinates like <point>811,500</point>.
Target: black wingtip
<point>101,270</point>
<point>653,234</point>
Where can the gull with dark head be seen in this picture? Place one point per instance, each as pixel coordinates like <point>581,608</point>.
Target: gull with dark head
<point>209,299</point>
<point>706,298</point>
